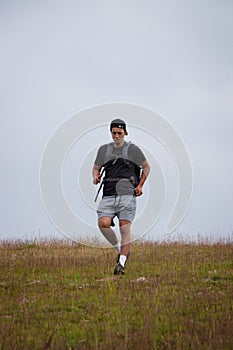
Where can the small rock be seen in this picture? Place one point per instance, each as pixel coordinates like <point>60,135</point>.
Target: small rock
<point>140,280</point>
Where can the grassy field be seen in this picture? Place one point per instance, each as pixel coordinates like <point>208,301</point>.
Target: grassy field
<point>61,296</point>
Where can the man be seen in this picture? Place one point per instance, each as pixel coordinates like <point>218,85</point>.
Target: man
<point>126,170</point>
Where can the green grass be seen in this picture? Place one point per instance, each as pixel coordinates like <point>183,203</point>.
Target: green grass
<point>60,296</point>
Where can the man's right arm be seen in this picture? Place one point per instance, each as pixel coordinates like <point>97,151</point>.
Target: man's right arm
<point>96,174</point>
<point>96,168</point>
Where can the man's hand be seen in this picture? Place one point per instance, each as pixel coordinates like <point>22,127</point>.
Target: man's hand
<point>138,191</point>
<point>96,174</point>
<point>96,179</point>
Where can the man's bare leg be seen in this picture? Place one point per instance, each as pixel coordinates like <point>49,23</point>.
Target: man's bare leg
<point>105,228</point>
<point>125,236</point>
<point>125,246</point>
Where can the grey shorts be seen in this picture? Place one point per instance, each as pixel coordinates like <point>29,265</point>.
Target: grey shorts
<point>124,207</point>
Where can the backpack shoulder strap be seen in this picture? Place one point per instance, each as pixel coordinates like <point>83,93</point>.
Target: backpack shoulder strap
<point>108,153</point>
<point>125,150</point>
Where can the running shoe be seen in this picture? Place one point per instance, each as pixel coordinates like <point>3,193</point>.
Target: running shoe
<point>119,269</point>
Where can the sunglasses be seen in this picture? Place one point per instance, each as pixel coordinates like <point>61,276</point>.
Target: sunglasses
<point>117,133</point>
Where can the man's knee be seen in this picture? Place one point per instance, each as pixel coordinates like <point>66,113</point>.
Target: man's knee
<point>124,223</point>
<point>104,222</point>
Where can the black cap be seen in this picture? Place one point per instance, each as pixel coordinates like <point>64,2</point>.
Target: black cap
<point>118,123</point>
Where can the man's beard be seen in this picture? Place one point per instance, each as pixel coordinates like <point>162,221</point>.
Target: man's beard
<point>117,142</point>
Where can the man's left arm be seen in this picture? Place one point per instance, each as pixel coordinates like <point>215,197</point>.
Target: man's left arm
<point>145,173</point>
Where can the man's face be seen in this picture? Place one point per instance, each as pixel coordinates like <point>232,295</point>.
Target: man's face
<point>118,135</point>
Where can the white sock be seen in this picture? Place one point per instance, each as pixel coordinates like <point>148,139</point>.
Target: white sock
<point>118,247</point>
<point>122,260</point>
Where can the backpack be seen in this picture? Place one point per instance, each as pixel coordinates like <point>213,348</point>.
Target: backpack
<point>124,155</point>
<point>109,153</point>
<point>110,156</point>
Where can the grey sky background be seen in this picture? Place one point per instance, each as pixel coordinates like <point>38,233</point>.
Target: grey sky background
<point>60,57</point>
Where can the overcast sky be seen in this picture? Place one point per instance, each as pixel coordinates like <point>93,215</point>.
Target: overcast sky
<point>60,57</point>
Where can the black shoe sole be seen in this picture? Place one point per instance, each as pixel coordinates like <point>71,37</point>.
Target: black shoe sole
<point>119,270</point>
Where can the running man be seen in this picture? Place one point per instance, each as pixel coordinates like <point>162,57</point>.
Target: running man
<point>126,170</point>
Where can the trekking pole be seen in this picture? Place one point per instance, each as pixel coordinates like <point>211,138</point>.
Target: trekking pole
<point>101,184</point>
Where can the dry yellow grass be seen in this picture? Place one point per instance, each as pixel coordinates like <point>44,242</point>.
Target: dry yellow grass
<point>61,296</point>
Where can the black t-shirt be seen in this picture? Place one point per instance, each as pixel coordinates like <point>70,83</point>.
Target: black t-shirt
<point>121,176</point>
